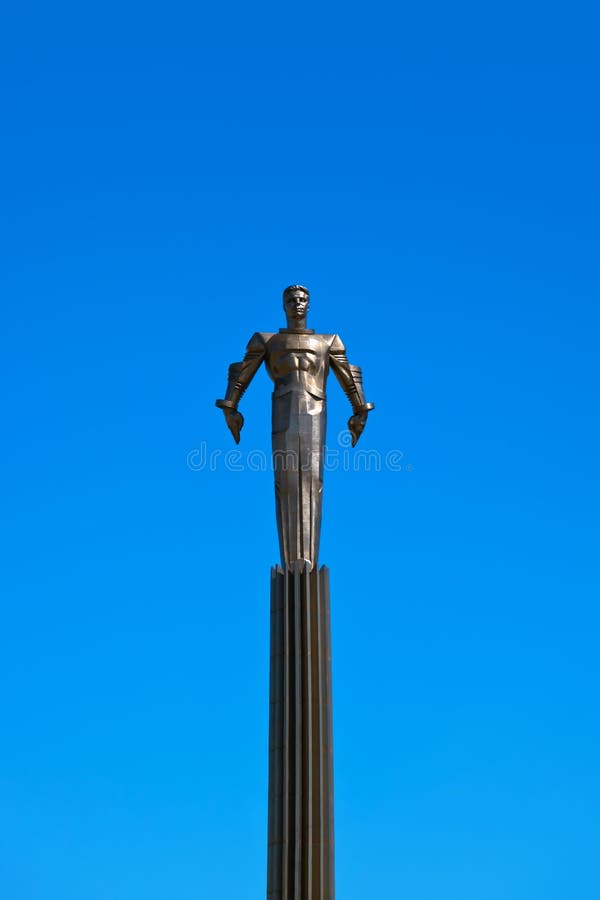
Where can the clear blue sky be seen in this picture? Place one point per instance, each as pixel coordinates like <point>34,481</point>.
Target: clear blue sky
<point>431,173</point>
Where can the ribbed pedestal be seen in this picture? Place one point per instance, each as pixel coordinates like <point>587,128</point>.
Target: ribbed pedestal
<point>301,847</point>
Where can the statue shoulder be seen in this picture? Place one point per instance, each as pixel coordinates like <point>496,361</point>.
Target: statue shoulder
<point>336,344</point>
<point>259,340</point>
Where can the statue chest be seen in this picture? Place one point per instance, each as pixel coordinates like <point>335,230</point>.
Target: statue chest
<point>304,353</point>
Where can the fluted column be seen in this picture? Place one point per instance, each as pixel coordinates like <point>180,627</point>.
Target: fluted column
<point>301,843</point>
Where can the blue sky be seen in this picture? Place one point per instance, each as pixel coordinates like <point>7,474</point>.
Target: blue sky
<point>431,174</point>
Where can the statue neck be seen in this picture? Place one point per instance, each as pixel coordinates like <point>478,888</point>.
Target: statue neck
<point>296,325</point>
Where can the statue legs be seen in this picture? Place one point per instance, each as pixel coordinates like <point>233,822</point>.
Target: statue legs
<point>299,423</point>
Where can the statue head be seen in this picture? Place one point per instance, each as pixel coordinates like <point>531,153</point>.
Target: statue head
<point>296,302</point>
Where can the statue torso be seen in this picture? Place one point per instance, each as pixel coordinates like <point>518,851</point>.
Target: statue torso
<point>298,361</point>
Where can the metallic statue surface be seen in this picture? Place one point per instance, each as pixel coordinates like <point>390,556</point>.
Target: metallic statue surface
<point>298,360</point>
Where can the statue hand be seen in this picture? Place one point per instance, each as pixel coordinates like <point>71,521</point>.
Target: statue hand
<point>356,426</point>
<point>235,422</point>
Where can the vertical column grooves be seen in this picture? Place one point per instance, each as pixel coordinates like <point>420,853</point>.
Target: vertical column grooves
<point>328,746</point>
<point>286,743</point>
<point>300,857</point>
<point>320,743</point>
<point>274,721</point>
<point>308,760</point>
<point>295,603</point>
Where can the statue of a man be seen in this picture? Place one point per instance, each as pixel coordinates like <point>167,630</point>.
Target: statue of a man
<point>298,361</point>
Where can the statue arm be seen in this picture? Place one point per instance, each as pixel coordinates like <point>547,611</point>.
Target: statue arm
<point>242,373</point>
<point>240,376</point>
<point>350,379</point>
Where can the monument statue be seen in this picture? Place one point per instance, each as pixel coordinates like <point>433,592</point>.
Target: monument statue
<point>300,854</point>
<point>298,361</point>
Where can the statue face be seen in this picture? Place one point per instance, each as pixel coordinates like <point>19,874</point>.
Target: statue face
<point>296,305</point>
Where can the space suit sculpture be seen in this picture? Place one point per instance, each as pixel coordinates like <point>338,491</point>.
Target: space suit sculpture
<point>298,360</point>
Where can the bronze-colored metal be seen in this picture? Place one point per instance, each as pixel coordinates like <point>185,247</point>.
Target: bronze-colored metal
<point>301,844</point>
<point>298,360</point>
